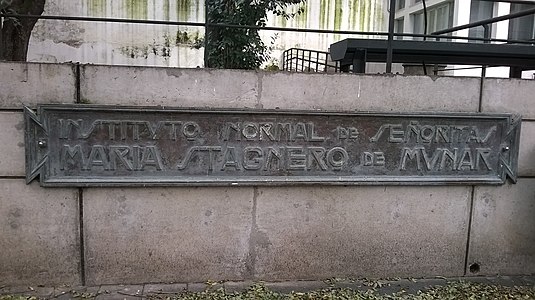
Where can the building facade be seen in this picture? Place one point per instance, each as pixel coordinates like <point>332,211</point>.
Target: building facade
<point>169,45</point>
<point>442,14</point>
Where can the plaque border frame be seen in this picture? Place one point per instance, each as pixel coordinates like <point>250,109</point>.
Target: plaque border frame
<point>36,154</point>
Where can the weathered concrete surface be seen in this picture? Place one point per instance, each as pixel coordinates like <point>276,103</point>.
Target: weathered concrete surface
<point>169,87</point>
<point>36,83</point>
<point>321,232</point>
<point>272,233</point>
<point>502,239</point>
<point>166,234</point>
<point>38,235</point>
<point>158,289</point>
<point>11,144</point>
<point>526,156</point>
<point>120,292</point>
<point>509,95</point>
<point>369,92</point>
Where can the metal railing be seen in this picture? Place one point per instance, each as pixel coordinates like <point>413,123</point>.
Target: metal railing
<point>305,60</point>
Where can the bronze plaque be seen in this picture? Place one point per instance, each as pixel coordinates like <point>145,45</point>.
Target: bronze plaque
<point>82,145</point>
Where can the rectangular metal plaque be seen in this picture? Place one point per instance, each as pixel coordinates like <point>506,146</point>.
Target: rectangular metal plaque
<point>80,145</point>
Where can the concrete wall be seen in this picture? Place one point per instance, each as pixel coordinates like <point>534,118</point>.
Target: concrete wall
<point>192,234</point>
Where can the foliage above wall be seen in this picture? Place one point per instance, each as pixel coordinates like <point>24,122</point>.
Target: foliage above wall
<point>234,48</point>
<point>16,32</point>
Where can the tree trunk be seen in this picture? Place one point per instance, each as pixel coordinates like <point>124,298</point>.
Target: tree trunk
<point>16,32</point>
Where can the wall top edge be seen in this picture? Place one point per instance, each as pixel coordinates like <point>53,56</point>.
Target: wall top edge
<point>258,71</point>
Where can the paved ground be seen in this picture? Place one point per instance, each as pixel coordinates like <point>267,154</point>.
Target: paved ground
<point>146,291</point>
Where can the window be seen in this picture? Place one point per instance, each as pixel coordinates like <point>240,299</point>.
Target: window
<point>400,4</point>
<point>480,10</point>
<point>438,18</point>
<point>398,27</point>
<point>521,28</point>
